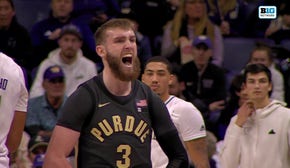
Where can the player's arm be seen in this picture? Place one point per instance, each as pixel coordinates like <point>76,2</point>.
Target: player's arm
<point>67,131</point>
<point>173,148</point>
<point>167,135</point>
<point>61,144</point>
<point>15,132</point>
<point>193,133</point>
<point>197,149</point>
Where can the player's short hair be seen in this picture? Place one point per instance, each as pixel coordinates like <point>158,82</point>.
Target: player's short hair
<point>100,34</point>
<point>160,59</point>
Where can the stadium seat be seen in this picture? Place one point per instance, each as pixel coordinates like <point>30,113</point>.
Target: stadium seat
<point>236,52</point>
<point>286,44</point>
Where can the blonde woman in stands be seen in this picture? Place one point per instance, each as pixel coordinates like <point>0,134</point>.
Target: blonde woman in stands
<point>190,21</point>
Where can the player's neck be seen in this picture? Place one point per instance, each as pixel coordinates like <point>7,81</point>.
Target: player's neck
<point>116,86</point>
<point>164,97</point>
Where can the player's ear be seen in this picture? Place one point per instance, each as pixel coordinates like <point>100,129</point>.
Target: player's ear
<point>100,50</point>
<point>170,79</point>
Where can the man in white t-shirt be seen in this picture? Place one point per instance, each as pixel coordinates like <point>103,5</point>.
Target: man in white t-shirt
<point>13,107</point>
<point>186,118</point>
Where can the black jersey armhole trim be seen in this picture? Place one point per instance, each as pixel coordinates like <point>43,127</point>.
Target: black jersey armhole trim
<point>94,97</point>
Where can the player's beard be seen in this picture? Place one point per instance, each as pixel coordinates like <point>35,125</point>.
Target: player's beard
<point>120,72</point>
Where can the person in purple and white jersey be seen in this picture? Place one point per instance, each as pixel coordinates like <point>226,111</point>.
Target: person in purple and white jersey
<point>187,119</point>
<point>13,107</point>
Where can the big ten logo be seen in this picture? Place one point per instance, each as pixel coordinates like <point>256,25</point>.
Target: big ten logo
<point>267,12</point>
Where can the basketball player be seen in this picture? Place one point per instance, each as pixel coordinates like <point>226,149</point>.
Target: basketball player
<point>113,114</point>
<point>187,119</point>
<point>13,107</point>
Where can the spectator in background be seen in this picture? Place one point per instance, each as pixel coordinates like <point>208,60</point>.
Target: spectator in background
<point>173,7</point>
<point>258,136</point>
<point>15,40</point>
<point>190,21</point>
<point>237,96</point>
<point>69,56</point>
<point>85,10</point>
<point>263,54</point>
<point>254,26</point>
<point>97,20</point>
<point>36,151</point>
<point>205,83</point>
<point>230,15</point>
<point>177,86</point>
<point>43,111</point>
<point>151,16</point>
<point>279,29</point>
<point>45,33</point>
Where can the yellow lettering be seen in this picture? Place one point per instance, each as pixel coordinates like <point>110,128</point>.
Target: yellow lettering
<point>140,128</point>
<point>106,128</point>
<point>129,123</point>
<point>117,123</point>
<point>142,138</point>
<point>97,133</point>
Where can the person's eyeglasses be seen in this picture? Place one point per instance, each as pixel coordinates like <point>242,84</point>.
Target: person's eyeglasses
<point>56,80</point>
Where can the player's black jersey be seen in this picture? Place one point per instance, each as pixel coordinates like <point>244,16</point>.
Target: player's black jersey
<point>115,131</point>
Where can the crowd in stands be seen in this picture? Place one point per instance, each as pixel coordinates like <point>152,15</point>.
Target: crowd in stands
<point>57,54</point>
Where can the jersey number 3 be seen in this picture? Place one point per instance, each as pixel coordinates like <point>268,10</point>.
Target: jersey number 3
<point>126,151</point>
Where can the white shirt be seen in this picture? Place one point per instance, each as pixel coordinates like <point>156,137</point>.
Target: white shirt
<point>278,84</point>
<point>263,141</point>
<point>80,71</point>
<point>13,97</point>
<point>188,122</point>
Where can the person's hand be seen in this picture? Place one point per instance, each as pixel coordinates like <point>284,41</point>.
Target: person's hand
<point>55,34</point>
<point>225,27</point>
<point>217,105</point>
<point>181,40</point>
<point>270,31</point>
<point>244,112</point>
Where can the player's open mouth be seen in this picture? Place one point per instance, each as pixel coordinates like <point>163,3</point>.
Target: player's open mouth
<point>127,60</point>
